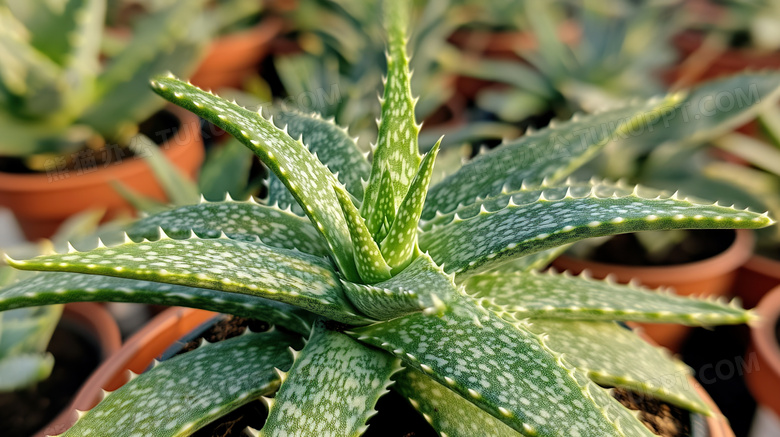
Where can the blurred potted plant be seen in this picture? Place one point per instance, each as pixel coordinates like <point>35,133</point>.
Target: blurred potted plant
<point>73,121</point>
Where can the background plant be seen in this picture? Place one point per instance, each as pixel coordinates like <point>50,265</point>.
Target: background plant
<point>57,94</point>
<point>431,291</point>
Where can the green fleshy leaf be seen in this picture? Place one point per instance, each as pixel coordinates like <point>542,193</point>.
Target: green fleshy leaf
<point>614,356</point>
<point>384,211</point>
<point>401,241</point>
<point>49,288</point>
<point>238,220</point>
<point>24,370</point>
<point>188,393</point>
<point>500,367</point>
<point>548,155</point>
<point>445,410</point>
<point>331,388</point>
<point>562,296</point>
<point>419,286</point>
<point>488,238</point>
<point>534,261</point>
<point>397,149</point>
<point>178,187</point>
<point>334,148</point>
<point>304,176</point>
<point>371,266</point>
<point>283,275</point>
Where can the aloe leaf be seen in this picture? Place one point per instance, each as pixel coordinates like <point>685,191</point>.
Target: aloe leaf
<point>49,288</point>
<point>534,261</point>
<point>401,241</point>
<point>422,285</point>
<point>474,244</point>
<point>614,356</point>
<point>500,367</point>
<point>283,275</point>
<point>384,211</point>
<point>445,410</point>
<point>370,264</point>
<point>306,178</point>
<point>397,149</point>
<point>23,370</point>
<point>238,220</point>
<point>548,155</point>
<point>331,388</point>
<point>563,296</point>
<point>188,394</point>
<point>334,148</point>
<point>178,187</point>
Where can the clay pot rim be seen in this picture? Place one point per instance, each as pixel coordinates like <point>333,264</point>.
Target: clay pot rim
<point>734,256</point>
<point>764,265</point>
<point>25,183</point>
<point>763,333</point>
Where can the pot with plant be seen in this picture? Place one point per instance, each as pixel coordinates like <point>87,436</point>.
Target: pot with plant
<point>390,284</point>
<point>73,121</point>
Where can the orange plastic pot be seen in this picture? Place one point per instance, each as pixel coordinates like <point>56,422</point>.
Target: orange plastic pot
<point>41,202</point>
<point>764,378</point>
<point>232,58</point>
<point>135,355</point>
<point>710,277</point>
<point>756,278</point>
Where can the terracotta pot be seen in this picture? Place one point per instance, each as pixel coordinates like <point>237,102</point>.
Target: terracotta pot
<point>763,379</point>
<point>94,319</point>
<point>135,355</point>
<point>41,202</point>
<point>710,277</point>
<point>233,57</point>
<point>759,275</point>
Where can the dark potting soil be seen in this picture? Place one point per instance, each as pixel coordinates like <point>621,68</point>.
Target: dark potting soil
<point>95,154</point>
<point>25,412</point>
<point>625,249</point>
<point>661,418</point>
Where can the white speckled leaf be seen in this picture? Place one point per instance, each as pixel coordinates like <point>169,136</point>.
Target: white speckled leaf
<point>334,148</point>
<point>400,243</point>
<point>305,177</point>
<point>419,286</point>
<point>534,261</point>
<point>397,149</point>
<point>49,288</point>
<point>445,410</point>
<point>385,208</point>
<point>614,356</point>
<point>238,220</point>
<point>488,238</point>
<point>561,296</point>
<point>252,268</point>
<point>331,389</point>
<point>502,368</point>
<point>371,266</point>
<point>182,394</point>
<point>551,153</point>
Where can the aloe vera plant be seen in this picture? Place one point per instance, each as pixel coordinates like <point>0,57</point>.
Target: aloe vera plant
<point>430,292</point>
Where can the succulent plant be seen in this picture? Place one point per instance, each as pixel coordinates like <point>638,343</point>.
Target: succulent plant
<point>24,335</point>
<point>386,283</point>
<point>56,93</point>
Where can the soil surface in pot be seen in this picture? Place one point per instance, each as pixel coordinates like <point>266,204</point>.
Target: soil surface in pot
<point>95,153</point>
<point>24,412</point>
<point>663,419</point>
<point>625,249</point>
